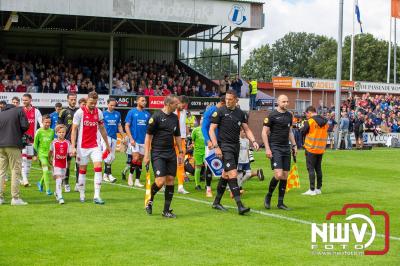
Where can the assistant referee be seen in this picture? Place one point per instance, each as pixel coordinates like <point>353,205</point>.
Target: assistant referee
<point>229,119</point>
<point>276,133</point>
<point>163,129</point>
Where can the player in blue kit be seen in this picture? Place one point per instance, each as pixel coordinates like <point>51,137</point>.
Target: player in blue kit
<point>54,116</point>
<point>136,123</point>
<point>112,124</point>
<point>205,127</point>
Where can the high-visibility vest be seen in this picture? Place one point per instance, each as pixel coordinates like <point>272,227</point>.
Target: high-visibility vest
<point>254,85</point>
<point>190,121</point>
<point>316,138</point>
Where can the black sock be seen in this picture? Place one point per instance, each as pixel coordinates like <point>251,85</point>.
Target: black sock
<point>220,190</point>
<point>208,177</point>
<point>282,190</point>
<point>154,190</point>
<point>233,185</point>
<point>272,185</point>
<point>107,169</point>
<point>132,168</point>
<point>76,173</point>
<point>138,171</point>
<point>168,194</point>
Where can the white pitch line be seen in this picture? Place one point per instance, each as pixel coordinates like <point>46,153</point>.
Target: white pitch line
<point>273,215</point>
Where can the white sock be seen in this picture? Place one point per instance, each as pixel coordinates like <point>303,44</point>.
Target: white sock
<point>97,184</point>
<point>23,169</point>
<point>58,188</point>
<point>180,187</point>
<point>130,176</point>
<point>82,181</point>
<point>28,165</point>
<point>247,175</point>
<point>208,188</point>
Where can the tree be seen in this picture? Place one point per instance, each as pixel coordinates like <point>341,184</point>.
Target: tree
<point>260,64</point>
<point>211,64</point>
<point>323,62</point>
<point>293,52</point>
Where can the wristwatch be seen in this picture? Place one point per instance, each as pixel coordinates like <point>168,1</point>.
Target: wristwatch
<point>216,146</point>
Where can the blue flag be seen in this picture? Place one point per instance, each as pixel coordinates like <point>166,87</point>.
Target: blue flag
<point>358,16</point>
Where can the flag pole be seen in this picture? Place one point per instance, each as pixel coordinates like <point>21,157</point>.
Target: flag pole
<point>389,50</point>
<point>352,44</point>
<point>395,53</point>
<point>338,70</point>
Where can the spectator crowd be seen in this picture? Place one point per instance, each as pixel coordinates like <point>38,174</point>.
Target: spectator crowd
<point>29,74</point>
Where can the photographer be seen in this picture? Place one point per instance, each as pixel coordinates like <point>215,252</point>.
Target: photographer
<point>13,125</point>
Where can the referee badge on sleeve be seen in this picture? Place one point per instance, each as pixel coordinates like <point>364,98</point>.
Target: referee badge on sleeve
<point>266,120</point>
<point>151,120</point>
<point>214,114</point>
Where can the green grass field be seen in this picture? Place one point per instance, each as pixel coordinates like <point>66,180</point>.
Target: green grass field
<point>121,233</point>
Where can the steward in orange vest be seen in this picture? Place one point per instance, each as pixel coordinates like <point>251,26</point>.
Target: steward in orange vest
<point>315,130</point>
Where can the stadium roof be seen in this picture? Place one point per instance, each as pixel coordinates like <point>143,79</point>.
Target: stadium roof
<point>179,18</point>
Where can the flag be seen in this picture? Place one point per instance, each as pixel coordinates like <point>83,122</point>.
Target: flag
<point>214,164</point>
<point>293,180</point>
<point>396,8</point>
<point>358,16</point>
<point>147,195</point>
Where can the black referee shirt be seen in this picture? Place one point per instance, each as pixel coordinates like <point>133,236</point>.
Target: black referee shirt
<point>279,124</point>
<point>66,118</point>
<point>229,123</point>
<point>163,127</point>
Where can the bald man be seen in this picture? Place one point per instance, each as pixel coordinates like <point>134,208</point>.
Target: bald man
<point>276,133</point>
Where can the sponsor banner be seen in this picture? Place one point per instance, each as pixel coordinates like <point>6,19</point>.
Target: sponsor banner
<point>50,99</point>
<point>304,83</point>
<point>370,138</point>
<point>374,87</point>
<point>201,103</point>
<point>155,102</point>
<point>125,101</point>
<point>282,82</point>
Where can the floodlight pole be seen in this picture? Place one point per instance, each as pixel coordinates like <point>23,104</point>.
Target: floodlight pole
<point>111,65</point>
<point>338,72</point>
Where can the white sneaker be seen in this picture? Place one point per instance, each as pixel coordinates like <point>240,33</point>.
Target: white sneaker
<point>76,189</point>
<point>309,193</point>
<point>1,201</point>
<point>106,179</point>
<point>183,191</point>
<point>112,179</point>
<point>318,191</point>
<point>130,181</point>
<point>138,184</point>
<point>61,201</point>
<point>67,188</point>
<point>18,202</point>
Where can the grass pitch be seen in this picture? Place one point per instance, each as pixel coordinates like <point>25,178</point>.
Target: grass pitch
<point>121,233</point>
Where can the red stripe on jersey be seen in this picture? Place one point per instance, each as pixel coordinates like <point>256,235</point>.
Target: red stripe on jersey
<point>30,114</point>
<point>60,153</point>
<point>90,125</point>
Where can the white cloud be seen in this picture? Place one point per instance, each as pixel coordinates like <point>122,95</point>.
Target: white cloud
<point>317,16</point>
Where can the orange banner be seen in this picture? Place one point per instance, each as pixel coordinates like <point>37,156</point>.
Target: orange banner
<point>282,82</point>
<point>396,8</point>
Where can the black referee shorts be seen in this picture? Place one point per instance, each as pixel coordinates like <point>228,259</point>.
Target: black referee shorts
<point>280,160</point>
<point>164,163</point>
<point>230,156</point>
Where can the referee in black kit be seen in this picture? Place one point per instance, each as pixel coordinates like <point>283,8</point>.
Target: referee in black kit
<point>276,133</point>
<point>162,132</point>
<point>229,119</point>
